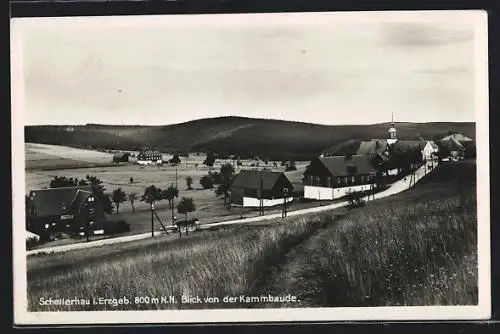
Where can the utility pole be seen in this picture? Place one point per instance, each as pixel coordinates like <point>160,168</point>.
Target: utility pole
<point>285,194</point>
<point>176,183</point>
<point>261,194</point>
<point>152,219</point>
<point>172,209</point>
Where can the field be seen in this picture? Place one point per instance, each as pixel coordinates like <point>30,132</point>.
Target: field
<point>415,248</point>
<point>209,208</point>
<point>46,157</point>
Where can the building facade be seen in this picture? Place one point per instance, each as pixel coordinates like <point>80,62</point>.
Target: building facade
<point>329,178</point>
<point>250,188</point>
<point>67,209</point>
<point>149,157</point>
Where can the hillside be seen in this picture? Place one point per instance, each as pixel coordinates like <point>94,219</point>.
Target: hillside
<point>246,137</point>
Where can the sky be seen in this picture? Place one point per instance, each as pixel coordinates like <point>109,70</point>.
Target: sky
<point>318,70</point>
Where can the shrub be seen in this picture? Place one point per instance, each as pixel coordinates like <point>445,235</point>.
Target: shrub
<point>206,182</point>
<point>116,226</point>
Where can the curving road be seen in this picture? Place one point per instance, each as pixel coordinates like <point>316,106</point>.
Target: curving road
<point>395,188</point>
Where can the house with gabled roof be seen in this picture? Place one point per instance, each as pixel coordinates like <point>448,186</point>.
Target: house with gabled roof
<point>248,187</point>
<point>455,148</point>
<point>66,209</point>
<point>328,178</point>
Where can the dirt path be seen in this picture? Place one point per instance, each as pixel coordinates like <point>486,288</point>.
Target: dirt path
<point>296,275</point>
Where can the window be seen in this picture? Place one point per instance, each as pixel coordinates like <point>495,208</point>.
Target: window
<point>316,180</point>
<point>362,179</point>
<point>338,180</point>
<point>345,180</point>
<point>352,179</point>
<point>328,182</point>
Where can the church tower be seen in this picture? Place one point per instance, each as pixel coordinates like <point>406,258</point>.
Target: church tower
<point>393,133</point>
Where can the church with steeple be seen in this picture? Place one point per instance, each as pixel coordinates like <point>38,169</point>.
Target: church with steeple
<point>393,133</point>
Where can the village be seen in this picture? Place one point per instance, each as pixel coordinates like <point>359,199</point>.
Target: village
<point>180,194</point>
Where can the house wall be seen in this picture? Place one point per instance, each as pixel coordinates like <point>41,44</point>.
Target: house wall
<point>324,193</point>
<point>250,202</point>
<point>148,162</point>
<point>236,196</point>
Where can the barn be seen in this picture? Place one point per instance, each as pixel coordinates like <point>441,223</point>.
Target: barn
<point>121,157</point>
<point>149,157</point>
<point>66,209</point>
<point>247,186</point>
<point>328,178</point>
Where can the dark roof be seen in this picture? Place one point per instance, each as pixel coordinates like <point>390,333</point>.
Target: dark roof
<point>149,152</point>
<point>374,146</point>
<point>408,145</point>
<point>348,147</point>
<point>121,154</point>
<point>251,179</point>
<point>80,198</point>
<point>345,165</point>
<point>57,201</point>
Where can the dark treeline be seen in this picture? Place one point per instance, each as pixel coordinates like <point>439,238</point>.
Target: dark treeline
<point>245,137</point>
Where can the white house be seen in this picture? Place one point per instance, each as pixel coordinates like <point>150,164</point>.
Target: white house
<point>429,151</point>
<point>328,178</point>
<point>149,157</point>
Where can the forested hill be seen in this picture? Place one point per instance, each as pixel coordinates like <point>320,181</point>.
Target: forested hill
<point>246,137</point>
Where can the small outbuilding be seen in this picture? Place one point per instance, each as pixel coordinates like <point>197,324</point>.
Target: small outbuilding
<point>121,157</point>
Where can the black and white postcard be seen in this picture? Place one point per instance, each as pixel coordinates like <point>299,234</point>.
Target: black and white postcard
<point>251,168</point>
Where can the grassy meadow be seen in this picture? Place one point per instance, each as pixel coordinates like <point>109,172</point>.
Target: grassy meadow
<point>205,264</point>
<point>415,248</point>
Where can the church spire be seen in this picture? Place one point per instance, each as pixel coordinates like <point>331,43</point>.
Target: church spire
<point>392,131</point>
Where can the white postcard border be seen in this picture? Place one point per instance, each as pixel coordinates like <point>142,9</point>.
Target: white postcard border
<point>481,311</point>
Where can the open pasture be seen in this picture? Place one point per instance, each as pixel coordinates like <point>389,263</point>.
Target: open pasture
<point>45,157</point>
<point>209,208</point>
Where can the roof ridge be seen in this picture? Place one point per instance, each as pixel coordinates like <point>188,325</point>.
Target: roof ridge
<point>76,195</point>
<point>71,187</point>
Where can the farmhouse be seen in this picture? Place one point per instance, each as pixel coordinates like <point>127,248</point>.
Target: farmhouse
<point>149,157</point>
<point>66,209</point>
<point>249,186</point>
<point>121,157</point>
<point>330,178</point>
<point>455,148</point>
